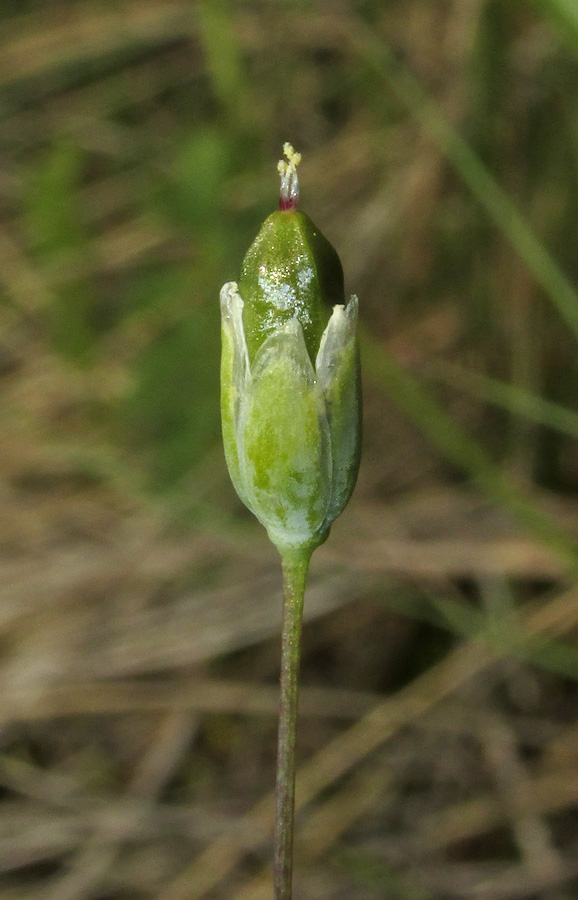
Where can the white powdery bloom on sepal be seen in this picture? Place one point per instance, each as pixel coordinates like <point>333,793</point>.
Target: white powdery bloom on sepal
<point>291,432</point>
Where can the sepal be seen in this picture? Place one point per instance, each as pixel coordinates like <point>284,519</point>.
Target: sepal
<point>235,377</point>
<point>338,373</point>
<point>284,443</point>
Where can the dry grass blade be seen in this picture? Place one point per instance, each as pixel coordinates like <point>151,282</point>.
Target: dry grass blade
<point>90,32</point>
<point>99,852</point>
<point>195,694</point>
<point>359,742</point>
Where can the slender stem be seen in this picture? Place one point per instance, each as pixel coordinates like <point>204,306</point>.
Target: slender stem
<point>295,567</point>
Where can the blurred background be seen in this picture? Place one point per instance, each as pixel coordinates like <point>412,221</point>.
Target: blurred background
<point>139,601</point>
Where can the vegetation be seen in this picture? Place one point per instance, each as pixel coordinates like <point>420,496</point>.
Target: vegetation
<point>140,607</point>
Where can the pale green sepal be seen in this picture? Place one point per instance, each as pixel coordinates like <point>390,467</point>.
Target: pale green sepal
<point>284,444</point>
<point>235,375</point>
<point>337,368</point>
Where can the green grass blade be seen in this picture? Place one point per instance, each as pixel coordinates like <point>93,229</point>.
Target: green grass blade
<point>463,451</point>
<point>223,59</point>
<point>502,633</point>
<point>378,56</point>
<point>514,399</point>
<point>563,14</point>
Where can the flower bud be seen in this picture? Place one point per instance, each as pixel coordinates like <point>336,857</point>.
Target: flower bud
<point>290,382</point>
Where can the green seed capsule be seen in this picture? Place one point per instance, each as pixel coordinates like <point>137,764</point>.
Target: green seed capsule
<point>290,271</point>
<point>290,383</point>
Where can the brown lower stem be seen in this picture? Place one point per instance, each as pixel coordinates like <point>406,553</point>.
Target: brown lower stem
<point>295,567</point>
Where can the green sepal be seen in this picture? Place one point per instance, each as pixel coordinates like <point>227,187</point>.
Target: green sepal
<point>339,377</point>
<point>284,444</point>
<point>235,375</point>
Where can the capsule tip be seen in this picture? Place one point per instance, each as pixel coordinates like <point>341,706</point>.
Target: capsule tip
<point>289,193</point>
